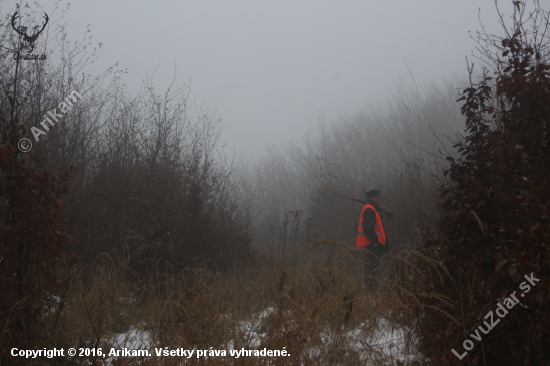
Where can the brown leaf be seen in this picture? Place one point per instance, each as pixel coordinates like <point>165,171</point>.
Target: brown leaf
<point>58,204</point>
<point>500,265</point>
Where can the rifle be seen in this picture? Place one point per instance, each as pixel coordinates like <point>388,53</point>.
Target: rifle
<point>349,198</point>
<point>387,213</point>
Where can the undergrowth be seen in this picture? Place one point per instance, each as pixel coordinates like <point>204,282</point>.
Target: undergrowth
<point>315,306</point>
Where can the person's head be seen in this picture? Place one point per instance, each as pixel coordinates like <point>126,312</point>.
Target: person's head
<point>374,196</point>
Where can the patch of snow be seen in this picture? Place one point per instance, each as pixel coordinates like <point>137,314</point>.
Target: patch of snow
<point>134,339</point>
<point>375,342</point>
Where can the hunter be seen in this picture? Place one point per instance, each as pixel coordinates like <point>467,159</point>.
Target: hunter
<point>371,234</point>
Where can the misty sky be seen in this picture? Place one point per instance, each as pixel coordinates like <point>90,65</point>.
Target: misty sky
<point>271,68</point>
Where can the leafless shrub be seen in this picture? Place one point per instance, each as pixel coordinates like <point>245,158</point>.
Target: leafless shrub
<point>396,146</point>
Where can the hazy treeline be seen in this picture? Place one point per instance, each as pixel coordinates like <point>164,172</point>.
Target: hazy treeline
<point>147,166</point>
<point>397,145</point>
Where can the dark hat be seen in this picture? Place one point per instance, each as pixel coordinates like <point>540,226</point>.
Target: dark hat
<point>373,193</point>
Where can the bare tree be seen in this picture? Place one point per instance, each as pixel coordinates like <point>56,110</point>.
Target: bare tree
<point>398,145</point>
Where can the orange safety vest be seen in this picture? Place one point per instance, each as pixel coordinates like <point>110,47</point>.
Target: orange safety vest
<point>362,240</point>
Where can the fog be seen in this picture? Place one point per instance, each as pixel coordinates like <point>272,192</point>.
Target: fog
<point>192,176</point>
<point>271,69</point>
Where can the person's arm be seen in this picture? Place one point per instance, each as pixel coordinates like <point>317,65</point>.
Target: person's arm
<point>387,212</point>
<point>369,220</point>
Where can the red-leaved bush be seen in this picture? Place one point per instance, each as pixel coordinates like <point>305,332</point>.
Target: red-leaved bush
<point>32,240</point>
<point>495,227</point>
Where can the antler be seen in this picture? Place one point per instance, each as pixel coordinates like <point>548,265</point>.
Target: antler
<point>13,20</point>
<point>37,32</point>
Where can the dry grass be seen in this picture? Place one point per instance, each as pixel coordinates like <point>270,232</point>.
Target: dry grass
<point>314,305</point>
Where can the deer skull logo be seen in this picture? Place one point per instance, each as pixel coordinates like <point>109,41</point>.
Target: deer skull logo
<point>29,40</point>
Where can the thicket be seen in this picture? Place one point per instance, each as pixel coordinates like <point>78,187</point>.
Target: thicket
<point>135,178</point>
<point>494,229</point>
<point>159,188</point>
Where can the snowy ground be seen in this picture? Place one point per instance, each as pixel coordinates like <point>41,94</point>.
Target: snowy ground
<point>373,341</point>
<point>378,341</point>
<point>133,339</point>
<point>387,342</point>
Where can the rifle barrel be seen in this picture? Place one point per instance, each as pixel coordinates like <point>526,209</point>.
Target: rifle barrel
<point>349,198</point>
<point>387,213</point>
